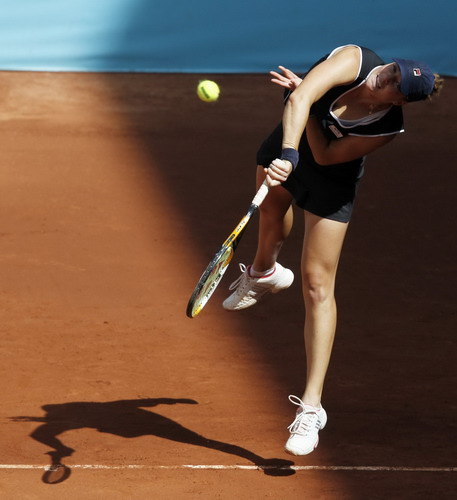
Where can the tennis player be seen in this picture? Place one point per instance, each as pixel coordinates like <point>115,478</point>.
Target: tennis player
<point>347,105</point>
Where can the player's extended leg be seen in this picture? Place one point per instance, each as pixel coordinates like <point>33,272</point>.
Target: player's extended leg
<point>322,246</point>
<point>265,275</point>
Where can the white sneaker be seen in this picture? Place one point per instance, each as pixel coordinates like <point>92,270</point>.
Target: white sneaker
<point>304,430</point>
<point>249,290</point>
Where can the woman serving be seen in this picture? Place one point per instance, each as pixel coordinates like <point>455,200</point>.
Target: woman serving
<point>348,105</point>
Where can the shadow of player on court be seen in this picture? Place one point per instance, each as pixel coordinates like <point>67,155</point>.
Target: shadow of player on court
<point>128,419</point>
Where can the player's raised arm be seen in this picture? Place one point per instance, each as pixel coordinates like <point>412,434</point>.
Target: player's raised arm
<point>340,69</point>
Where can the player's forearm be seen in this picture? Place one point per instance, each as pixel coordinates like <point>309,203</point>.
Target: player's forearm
<point>294,121</point>
<point>333,151</point>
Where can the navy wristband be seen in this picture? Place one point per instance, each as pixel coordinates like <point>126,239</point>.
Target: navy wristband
<point>291,155</point>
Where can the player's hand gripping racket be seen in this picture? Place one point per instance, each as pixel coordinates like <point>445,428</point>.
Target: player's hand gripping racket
<point>218,265</point>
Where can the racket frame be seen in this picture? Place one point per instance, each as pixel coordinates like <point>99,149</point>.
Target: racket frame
<point>215,270</point>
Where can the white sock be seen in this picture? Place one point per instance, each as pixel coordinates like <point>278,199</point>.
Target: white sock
<point>256,274</point>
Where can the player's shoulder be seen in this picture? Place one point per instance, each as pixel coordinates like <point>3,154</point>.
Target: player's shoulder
<point>347,57</point>
<point>347,61</point>
<point>366,59</point>
<point>356,53</point>
<point>345,51</point>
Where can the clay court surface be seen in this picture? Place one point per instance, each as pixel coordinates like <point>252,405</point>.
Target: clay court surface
<point>116,190</point>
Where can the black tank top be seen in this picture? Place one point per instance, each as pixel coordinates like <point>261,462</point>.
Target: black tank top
<point>388,124</point>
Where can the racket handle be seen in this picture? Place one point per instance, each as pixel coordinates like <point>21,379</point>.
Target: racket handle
<point>261,194</point>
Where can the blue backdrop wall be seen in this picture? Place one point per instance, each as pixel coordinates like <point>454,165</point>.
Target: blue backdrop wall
<point>218,36</point>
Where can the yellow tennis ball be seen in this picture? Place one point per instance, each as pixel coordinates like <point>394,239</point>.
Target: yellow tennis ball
<point>208,91</point>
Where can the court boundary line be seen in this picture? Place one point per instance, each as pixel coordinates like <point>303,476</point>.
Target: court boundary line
<point>349,468</point>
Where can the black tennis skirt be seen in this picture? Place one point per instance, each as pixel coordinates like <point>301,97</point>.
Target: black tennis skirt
<point>327,191</point>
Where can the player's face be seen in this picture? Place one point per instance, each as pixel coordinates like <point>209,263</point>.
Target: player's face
<point>385,83</point>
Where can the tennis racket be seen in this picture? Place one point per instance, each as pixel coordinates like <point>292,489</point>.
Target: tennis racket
<point>220,262</point>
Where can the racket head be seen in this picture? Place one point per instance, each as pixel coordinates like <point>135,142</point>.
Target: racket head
<point>209,280</point>
<point>216,268</point>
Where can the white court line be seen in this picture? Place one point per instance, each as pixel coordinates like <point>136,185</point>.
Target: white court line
<point>369,468</point>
